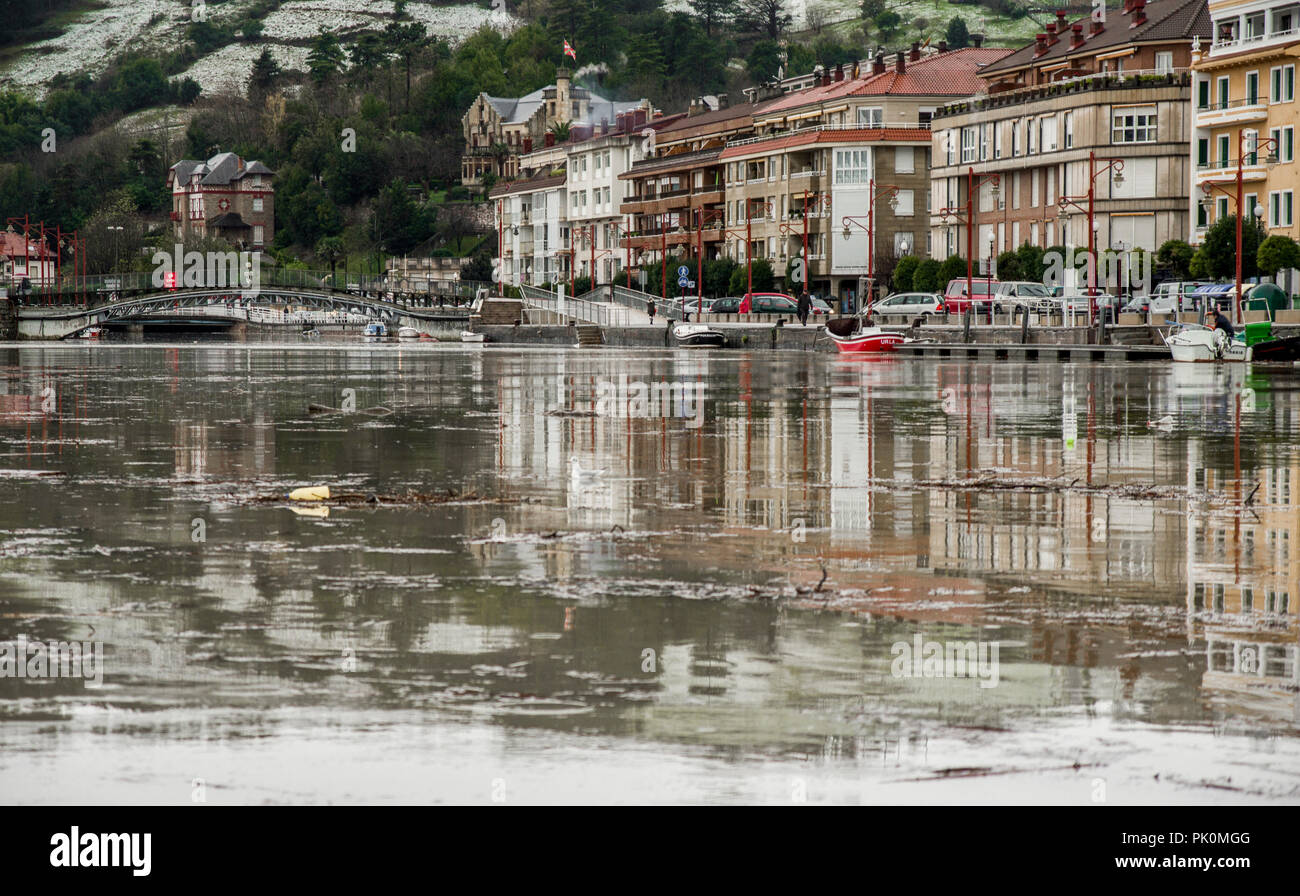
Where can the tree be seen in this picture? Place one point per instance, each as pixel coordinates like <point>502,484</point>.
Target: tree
<point>957,36</point>
<point>887,23</point>
<point>1220,248</point>
<point>477,269</point>
<point>266,71</point>
<point>561,130</point>
<point>397,224</point>
<point>764,61</point>
<point>325,59</point>
<point>815,16</point>
<point>872,8</point>
<point>926,276</point>
<point>1175,256</point>
<point>1008,266</point>
<point>905,273</point>
<point>1277,253</point>
<point>330,249</point>
<point>952,268</point>
<point>1029,259</point>
<point>407,41</point>
<point>764,279</point>
<point>713,14</point>
<point>764,17</point>
<point>188,91</point>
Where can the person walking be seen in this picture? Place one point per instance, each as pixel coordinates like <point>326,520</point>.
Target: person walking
<point>650,308</point>
<point>805,305</point>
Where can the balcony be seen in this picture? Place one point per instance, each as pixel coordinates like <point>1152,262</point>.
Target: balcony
<point>1217,115</point>
<point>1225,170</point>
<point>1227,45</point>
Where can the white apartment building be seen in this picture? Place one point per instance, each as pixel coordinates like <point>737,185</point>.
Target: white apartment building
<point>534,230</point>
<point>595,193</point>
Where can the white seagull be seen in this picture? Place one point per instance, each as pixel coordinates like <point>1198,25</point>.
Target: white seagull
<point>1164,424</point>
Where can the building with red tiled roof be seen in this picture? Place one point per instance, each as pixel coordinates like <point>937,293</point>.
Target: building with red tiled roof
<point>25,259</point>
<point>1052,117</point>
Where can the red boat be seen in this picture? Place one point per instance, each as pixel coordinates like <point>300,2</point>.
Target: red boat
<point>869,339</point>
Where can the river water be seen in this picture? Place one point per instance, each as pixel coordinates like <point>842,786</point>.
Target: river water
<point>712,595</point>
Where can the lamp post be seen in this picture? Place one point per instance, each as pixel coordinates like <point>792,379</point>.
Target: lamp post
<point>1117,165</point>
<point>850,221</point>
<point>1122,247</point>
<point>702,215</point>
<point>117,231</point>
<point>973,183</point>
<point>624,235</point>
<point>785,228</point>
<point>501,251</point>
<point>1210,186</point>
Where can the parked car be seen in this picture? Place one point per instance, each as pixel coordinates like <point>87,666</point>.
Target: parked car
<point>1172,296</point>
<point>692,304</point>
<point>1024,294</point>
<point>725,305</point>
<point>912,304</point>
<point>768,303</point>
<point>1080,303</point>
<point>956,301</point>
<point>821,306</point>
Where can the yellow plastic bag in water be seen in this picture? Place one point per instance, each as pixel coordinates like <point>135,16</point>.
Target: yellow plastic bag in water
<point>310,493</point>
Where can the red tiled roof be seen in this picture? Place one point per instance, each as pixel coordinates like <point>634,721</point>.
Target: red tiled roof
<point>854,135</point>
<point>11,246</point>
<point>955,73</point>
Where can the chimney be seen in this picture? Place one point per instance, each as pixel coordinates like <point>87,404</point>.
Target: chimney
<point>604,126</point>
<point>1096,28</point>
<point>943,46</point>
<point>723,102</point>
<point>1061,23</point>
<point>878,64</point>
<point>1139,13</point>
<point>1051,34</point>
<point>550,138</point>
<point>1076,36</point>
<point>977,40</point>
<point>915,55</point>
<point>638,118</point>
<point>528,145</point>
<point>839,72</point>
<point>901,63</point>
<point>1040,43</point>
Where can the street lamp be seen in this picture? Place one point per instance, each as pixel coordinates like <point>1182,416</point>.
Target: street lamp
<point>1117,180</point>
<point>786,229</point>
<point>117,230</point>
<point>1121,247</point>
<point>702,215</point>
<point>1210,186</point>
<point>750,205</point>
<point>973,184</point>
<point>886,190</point>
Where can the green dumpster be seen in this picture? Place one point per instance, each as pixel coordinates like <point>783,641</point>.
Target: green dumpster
<point>1261,331</point>
<point>1266,296</point>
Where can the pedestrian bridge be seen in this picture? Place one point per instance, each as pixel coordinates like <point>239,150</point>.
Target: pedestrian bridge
<point>273,307</point>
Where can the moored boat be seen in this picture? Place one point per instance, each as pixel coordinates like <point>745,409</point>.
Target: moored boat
<point>699,336</point>
<point>470,336</point>
<point>408,333</point>
<point>1193,342</point>
<point>91,333</point>
<point>376,330</point>
<point>850,337</point>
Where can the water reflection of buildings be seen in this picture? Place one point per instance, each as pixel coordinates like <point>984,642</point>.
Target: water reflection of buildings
<point>1242,584</point>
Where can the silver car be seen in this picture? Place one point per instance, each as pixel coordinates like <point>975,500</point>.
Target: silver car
<point>911,304</point>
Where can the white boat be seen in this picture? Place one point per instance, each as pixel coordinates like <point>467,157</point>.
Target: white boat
<point>408,333</point>
<point>1193,342</point>
<point>699,335</point>
<point>376,330</point>
<point>470,336</point>
<point>91,333</point>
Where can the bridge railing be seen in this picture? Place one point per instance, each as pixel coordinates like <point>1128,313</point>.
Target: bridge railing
<point>599,313</point>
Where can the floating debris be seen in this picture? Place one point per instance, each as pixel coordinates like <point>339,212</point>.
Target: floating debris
<point>319,410</point>
<point>409,497</point>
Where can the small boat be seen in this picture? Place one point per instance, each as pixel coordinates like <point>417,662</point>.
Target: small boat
<point>470,336</point>
<point>699,336</point>
<point>310,333</point>
<point>408,333</point>
<point>1286,349</point>
<point>376,330</point>
<point>1193,342</point>
<point>91,333</point>
<point>850,337</point>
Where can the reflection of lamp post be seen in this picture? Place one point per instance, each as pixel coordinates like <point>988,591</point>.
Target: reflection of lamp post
<point>1117,180</point>
<point>973,184</point>
<point>886,190</point>
<point>988,288</point>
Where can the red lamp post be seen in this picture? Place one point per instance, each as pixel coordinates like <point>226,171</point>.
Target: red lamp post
<point>702,216</point>
<point>1209,187</point>
<point>785,228</point>
<point>973,183</point>
<point>850,221</point>
<point>501,250</point>
<point>624,235</point>
<point>1091,198</point>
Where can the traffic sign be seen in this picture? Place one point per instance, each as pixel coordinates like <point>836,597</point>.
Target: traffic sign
<point>683,282</point>
<point>683,272</point>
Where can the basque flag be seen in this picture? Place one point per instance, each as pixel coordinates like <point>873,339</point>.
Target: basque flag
<point>569,51</point>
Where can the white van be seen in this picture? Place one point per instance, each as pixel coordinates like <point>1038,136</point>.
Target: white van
<point>1169,297</point>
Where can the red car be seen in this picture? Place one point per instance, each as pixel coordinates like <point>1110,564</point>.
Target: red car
<point>956,301</point>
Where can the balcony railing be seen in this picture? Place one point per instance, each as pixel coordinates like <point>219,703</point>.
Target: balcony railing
<point>1221,106</point>
<point>1232,44</point>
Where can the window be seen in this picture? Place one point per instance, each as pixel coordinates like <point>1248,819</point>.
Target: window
<point>1222,157</point>
<point>1280,209</point>
<point>852,166</point>
<point>997,140</point>
<point>906,204</point>
<point>1030,128</point>
<point>1252,88</point>
<point>903,244</point>
<point>257,204</point>
<point>1203,94</point>
<point>1281,84</point>
<point>1203,153</point>
<point>1164,63</point>
<point>258,234</point>
<point>1284,143</point>
<point>1250,146</point>
<point>904,160</point>
<point>1069,130</point>
<point>949,145</point>
<point>1134,124</point>
<point>1015,138</point>
<point>870,117</point>
<point>968,144</point>
<point>1223,93</point>
<point>1202,216</point>
<point>984,141</point>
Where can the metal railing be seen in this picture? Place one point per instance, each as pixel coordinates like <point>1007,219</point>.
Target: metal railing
<point>581,309</point>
